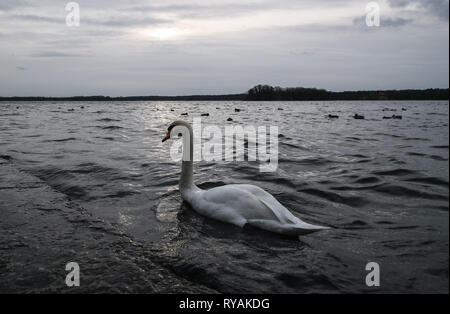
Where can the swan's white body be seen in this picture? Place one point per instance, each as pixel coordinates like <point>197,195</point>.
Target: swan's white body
<point>238,204</point>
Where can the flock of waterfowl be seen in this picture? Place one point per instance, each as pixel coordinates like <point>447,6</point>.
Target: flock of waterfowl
<point>183,114</point>
<point>361,117</point>
<point>72,109</point>
<point>330,116</point>
<point>207,114</point>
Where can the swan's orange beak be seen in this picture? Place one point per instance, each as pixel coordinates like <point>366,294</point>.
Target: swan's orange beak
<point>166,137</point>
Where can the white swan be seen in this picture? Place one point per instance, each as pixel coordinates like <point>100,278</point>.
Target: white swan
<point>238,204</point>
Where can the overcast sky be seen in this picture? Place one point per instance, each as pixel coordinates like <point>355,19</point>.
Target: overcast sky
<point>164,47</point>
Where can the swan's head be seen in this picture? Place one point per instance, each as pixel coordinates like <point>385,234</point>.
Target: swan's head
<point>178,123</point>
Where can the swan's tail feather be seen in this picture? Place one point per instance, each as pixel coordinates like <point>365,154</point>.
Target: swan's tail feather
<point>287,229</point>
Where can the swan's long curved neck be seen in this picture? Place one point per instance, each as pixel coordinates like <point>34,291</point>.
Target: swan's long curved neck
<point>187,175</point>
<point>187,166</point>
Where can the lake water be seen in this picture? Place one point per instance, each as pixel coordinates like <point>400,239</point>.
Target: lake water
<point>97,186</point>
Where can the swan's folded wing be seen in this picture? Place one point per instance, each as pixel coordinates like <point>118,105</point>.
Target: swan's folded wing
<point>289,220</point>
<point>236,200</point>
<point>270,202</point>
<point>276,212</point>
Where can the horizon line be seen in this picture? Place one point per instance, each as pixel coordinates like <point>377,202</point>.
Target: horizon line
<point>230,94</point>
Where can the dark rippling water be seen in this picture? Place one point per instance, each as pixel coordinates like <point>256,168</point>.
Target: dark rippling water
<point>102,191</point>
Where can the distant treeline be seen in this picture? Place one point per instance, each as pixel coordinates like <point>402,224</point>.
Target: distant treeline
<point>129,98</point>
<point>267,92</point>
<point>270,93</point>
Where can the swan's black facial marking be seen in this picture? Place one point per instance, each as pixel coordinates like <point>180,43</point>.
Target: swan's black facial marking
<point>166,137</point>
<point>169,130</point>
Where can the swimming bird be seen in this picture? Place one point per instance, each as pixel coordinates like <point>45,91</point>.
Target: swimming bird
<point>358,117</point>
<point>237,204</point>
<point>397,117</point>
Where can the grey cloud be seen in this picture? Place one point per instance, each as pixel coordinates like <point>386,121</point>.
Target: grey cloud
<point>399,3</point>
<point>174,68</point>
<point>125,21</point>
<point>20,68</point>
<point>395,22</point>
<point>162,8</point>
<point>203,10</point>
<point>141,15</point>
<point>122,21</point>
<point>384,22</point>
<point>37,18</point>
<point>439,8</point>
<point>7,5</point>
<point>56,54</point>
<point>312,28</point>
<point>195,11</point>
